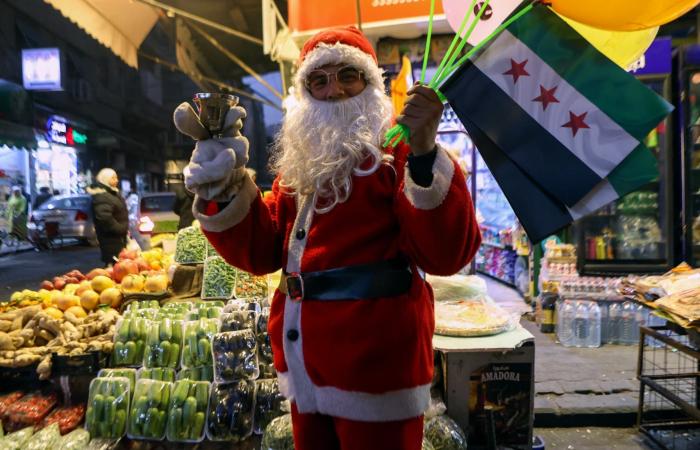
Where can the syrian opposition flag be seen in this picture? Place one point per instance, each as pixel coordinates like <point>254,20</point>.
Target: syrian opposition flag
<point>561,116</point>
<point>496,12</point>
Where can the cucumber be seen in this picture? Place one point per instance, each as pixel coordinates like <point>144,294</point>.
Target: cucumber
<point>110,409</point>
<point>202,395</point>
<point>166,332</point>
<point>150,423</point>
<point>124,330</point>
<point>98,402</point>
<point>130,353</point>
<point>119,425</point>
<point>180,393</point>
<point>189,410</point>
<point>163,353</point>
<point>176,331</point>
<point>153,335</point>
<point>197,426</point>
<point>174,423</point>
<point>174,355</point>
<point>138,356</point>
<point>155,394</point>
<point>118,354</point>
<point>204,351</point>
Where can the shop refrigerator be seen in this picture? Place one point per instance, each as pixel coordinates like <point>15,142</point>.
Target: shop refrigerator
<point>638,232</point>
<point>689,116</point>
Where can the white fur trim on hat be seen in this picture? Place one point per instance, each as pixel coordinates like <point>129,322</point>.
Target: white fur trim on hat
<point>338,53</point>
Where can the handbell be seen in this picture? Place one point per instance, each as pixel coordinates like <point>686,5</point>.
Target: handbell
<point>212,109</point>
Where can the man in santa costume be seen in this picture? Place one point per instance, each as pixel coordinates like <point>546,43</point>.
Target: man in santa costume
<point>350,223</point>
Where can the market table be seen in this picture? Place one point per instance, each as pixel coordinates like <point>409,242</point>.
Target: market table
<point>491,378</point>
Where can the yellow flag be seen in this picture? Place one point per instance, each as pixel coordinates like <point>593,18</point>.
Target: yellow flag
<point>400,85</point>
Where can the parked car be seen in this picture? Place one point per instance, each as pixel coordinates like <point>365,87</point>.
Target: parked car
<point>72,213</point>
<point>156,213</point>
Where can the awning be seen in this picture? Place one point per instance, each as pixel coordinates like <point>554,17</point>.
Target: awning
<point>120,25</point>
<point>14,135</point>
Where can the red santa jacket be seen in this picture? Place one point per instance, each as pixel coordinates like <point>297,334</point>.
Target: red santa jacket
<point>369,360</point>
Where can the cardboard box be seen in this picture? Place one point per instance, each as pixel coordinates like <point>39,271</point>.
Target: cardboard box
<point>490,378</point>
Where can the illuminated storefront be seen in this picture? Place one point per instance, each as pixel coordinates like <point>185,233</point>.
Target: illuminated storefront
<point>56,159</point>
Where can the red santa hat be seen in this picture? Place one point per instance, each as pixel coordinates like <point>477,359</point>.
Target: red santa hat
<point>346,45</point>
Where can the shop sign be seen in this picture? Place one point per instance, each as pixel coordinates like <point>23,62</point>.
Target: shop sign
<point>59,131</point>
<point>41,69</point>
<point>306,15</point>
<point>656,60</point>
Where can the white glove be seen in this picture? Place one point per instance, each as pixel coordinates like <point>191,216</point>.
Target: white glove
<point>216,169</point>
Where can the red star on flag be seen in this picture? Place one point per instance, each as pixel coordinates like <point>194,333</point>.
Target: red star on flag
<point>546,97</point>
<point>517,70</point>
<point>576,122</point>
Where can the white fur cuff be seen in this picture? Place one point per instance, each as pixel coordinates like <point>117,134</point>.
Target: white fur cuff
<point>432,196</point>
<point>234,212</point>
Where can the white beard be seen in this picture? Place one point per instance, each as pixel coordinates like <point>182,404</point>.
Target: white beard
<point>323,143</point>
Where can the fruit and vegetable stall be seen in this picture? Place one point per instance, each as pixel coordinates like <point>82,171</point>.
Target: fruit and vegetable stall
<point>135,357</point>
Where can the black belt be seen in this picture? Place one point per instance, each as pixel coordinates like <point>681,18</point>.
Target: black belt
<point>365,281</point>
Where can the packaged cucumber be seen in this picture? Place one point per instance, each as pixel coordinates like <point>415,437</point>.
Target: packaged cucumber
<point>278,434</point>
<point>238,320</point>
<point>175,310</point>
<point>163,344</point>
<point>142,304</point>
<point>235,356</point>
<point>250,286</point>
<point>77,439</point>
<point>144,313</point>
<point>157,373</point>
<point>46,438</point>
<point>124,372</point>
<point>17,440</point>
<point>149,410</point>
<point>219,278</point>
<point>201,373</point>
<point>108,407</point>
<point>231,410</point>
<point>268,403</point>
<point>190,247</point>
<point>209,312</point>
<point>208,304</point>
<point>129,341</point>
<point>187,412</point>
<point>196,350</point>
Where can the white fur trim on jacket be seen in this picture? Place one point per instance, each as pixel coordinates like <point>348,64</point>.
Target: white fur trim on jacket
<point>232,214</point>
<point>338,53</point>
<point>432,196</point>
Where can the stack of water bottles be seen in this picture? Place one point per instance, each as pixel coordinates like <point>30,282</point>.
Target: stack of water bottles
<point>591,323</point>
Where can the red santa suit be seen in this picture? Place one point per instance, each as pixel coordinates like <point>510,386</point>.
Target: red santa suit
<point>360,360</point>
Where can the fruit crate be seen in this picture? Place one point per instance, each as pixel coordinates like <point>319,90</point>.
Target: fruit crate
<point>669,395</point>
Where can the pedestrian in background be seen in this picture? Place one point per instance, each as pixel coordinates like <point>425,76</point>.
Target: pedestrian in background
<point>44,194</point>
<point>16,214</point>
<point>183,207</point>
<point>110,215</point>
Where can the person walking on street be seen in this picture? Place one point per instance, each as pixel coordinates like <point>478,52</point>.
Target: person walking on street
<point>110,215</point>
<point>183,207</point>
<point>16,214</point>
<point>350,222</point>
<point>44,194</point>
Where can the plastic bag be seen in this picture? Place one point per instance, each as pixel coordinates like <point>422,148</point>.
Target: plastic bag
<point>426,445</point>
<point>190,247</point>
<point>66,417</point>
<point>187,413</point>
<point>435,408</point>
<point>130,341</point>
<point>278,434</point>
<point>8,400</point>
<point>250,286</point>
<point>242,304</point>
<point>102,444</point>
<point>163,344</point>
<point>196,349</point>
<point>231,410</point>
<point>149,410</point>
<point>200,373</point>
<point>46,438</point>
<point>108,405</point>
<point>238,320</point>
<point>267,369</point>
<point>207,312</point>
<point>268,403</point>
<point>444,434</point>
<point>457,287</point>
<point>77,439</point>
<point>157,373</point>
<point>30,410</point>
<point>235,356</point>
<point>16,440</point>
<point>219,278</point>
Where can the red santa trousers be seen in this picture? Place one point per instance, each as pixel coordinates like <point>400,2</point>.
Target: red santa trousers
<point>321,432</point>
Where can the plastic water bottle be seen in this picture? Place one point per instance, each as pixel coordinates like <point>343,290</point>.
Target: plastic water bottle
<point>629,326</point>
<point>565,319</point>
<point>614,318</point>
<point>593,339</point>
<point>604,322</point>
<point>581,324</point>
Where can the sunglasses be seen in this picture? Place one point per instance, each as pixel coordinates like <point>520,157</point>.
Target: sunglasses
<point>319,80</point>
